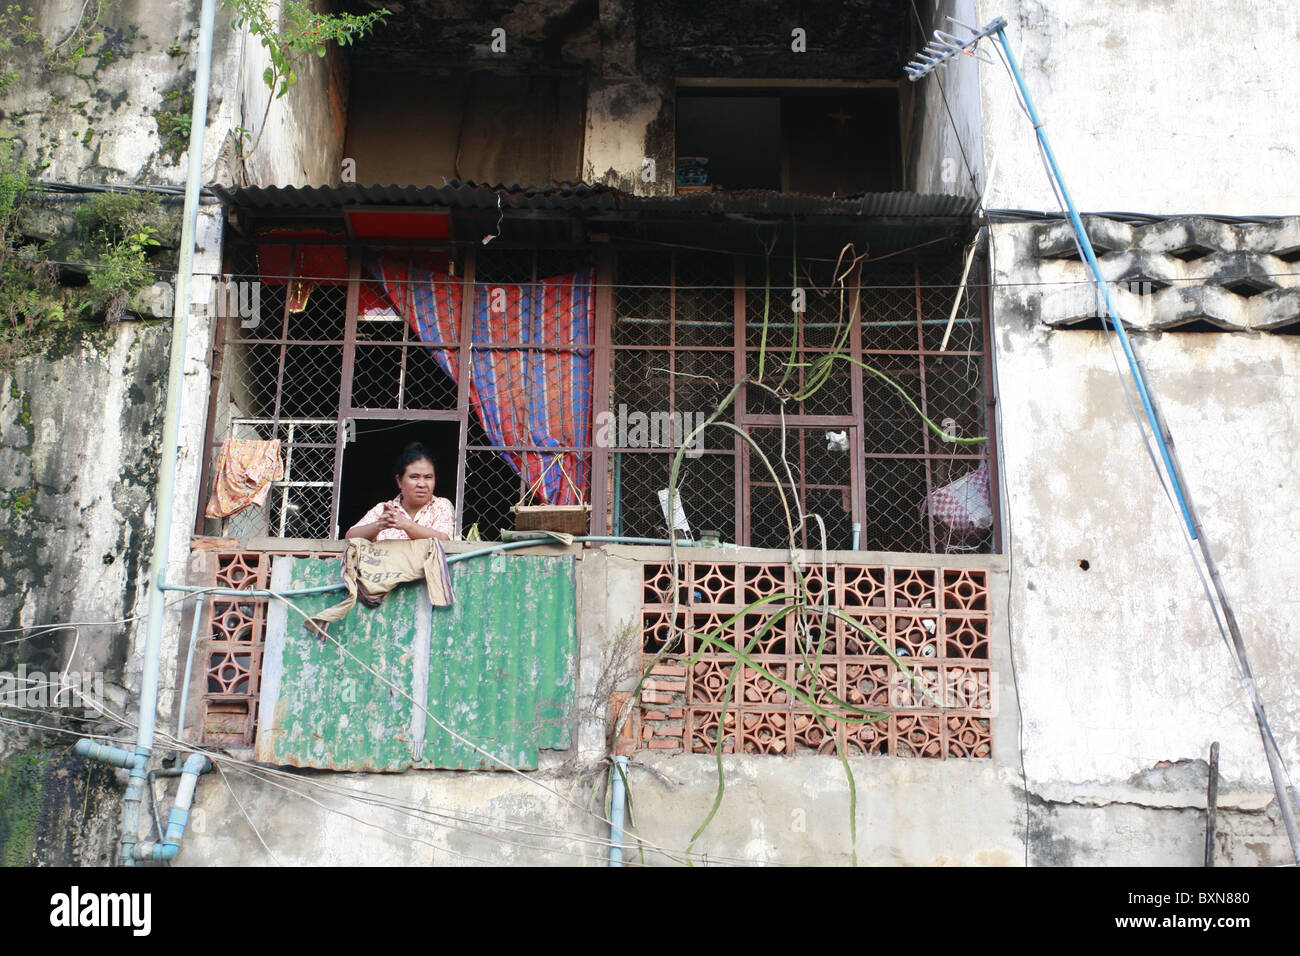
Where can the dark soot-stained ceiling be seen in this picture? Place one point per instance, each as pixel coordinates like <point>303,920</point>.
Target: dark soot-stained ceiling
<point>849,39</point>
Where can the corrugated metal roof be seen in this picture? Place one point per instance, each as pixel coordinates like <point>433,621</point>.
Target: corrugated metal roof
<point>766,201</point>
<point>454,195</point>
<point>594,198</point>
<point>498,668</point>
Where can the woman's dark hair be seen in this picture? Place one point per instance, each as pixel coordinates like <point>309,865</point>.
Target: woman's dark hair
<point>411,453</point>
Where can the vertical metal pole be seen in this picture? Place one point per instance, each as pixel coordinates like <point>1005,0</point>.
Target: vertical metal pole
<point>985,277</point>
<point>617,809</point>
<point>350,310</point>
<point>210,429</point>
<point>603,359</point>
<point>170,439</point>
<point>925,405</point>
<point>465,375</point>
<point>858,434</point>
<point>1211,803</point>
<point>740,366</point>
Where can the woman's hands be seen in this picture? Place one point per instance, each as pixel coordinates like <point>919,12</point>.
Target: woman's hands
<point>395,516</point>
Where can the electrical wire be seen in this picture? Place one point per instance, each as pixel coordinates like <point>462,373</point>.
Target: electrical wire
<point>1217,277</point>
<point>1009,548</point>
<point>567,834</point>
<point>213,756</point>
<point>423,814</point>
<point>504,765</point>
<point>43,629</point>
<point>252,826</point>
<point>207,196</point>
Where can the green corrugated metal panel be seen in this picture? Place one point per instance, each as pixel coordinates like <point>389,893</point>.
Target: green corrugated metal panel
<point>502,660</point>
<point>329,711</point>
<point>498,668</point>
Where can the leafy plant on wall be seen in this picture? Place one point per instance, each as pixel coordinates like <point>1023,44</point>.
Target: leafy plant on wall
<point>291,35</point>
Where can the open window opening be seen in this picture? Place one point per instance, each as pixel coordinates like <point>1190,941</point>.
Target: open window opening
<point>369,456</point>
<point>826,142</point>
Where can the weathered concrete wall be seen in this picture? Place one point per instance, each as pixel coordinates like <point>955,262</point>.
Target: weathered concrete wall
<point>56,809</point>
<point>118,113</point>
<point>628,123</point>
<point>1121,667</point>
<point>1151,107</point>
<point>80,436</point>
<point>302,138</point>
<point>945,152</point>
<point>81,429</point>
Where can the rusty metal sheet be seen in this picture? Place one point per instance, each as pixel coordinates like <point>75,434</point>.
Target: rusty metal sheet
<point>321,707</point>
<point>496,672</point>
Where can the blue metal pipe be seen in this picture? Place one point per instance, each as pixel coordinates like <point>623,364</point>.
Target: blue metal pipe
<point>1091,256</point>
<point>189,668</point>
<point>195,764</point>
<point>451,559</point>
<point>617,809</point>
<point>618,493</point>
<point>105,753</point>
<point>170,439</point>
<point>533,542</point>
<point>250,592</point>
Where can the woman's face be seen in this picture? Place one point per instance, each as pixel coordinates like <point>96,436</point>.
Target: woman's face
<point>417,482</point>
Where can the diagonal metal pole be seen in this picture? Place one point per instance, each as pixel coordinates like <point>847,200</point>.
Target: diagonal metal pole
<point>936,53</point>
<point>1161,432</point>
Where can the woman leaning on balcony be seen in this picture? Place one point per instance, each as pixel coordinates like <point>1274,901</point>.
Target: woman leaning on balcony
<point>416,512</point>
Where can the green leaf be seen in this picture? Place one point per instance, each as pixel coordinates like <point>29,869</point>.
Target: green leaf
<point>320,51</point>
<point>268,77</point>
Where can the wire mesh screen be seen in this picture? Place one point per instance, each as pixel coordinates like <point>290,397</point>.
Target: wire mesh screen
<point>857,373</point>
<point>911,465</point>
<point>281,373</point>
<point>871,378</point>
<point>814,476</point>
<point>673,362</point>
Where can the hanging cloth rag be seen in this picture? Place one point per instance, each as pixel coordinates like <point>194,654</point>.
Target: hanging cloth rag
<point>963,505</point>
<point>245,469</point>
<point>371,570</point>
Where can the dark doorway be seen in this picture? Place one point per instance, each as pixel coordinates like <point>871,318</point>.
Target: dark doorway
<point>817,141</point>
<point>368,462</point>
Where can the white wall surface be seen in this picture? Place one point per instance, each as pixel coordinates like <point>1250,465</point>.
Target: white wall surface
<point>1121,666</point>
<point>1154,106</point>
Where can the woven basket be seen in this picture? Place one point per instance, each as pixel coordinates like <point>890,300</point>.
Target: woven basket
<point>568,519</point>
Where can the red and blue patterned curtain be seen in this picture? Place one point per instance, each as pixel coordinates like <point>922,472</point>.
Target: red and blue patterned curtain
<point>523,394</point>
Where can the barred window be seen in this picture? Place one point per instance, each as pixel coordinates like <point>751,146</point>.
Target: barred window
<point>840,437</point>
<point>848,406</point>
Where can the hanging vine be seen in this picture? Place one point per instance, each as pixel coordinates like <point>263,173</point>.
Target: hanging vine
<point>802,607</point>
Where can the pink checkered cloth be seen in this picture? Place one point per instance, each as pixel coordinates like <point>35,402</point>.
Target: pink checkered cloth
<point>962,505</point>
